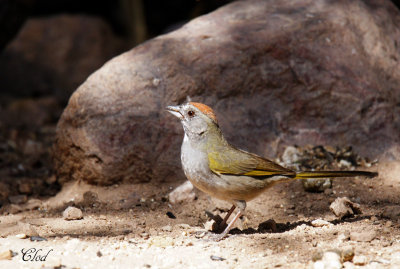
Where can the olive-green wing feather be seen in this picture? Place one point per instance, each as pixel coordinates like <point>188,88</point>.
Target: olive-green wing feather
<point>238,162</point>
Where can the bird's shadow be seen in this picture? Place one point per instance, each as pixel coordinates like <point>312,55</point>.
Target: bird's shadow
<point>270,226</point>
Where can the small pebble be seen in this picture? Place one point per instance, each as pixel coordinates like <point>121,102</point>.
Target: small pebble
<point>211,225</point>
<point>343,237</point>
<point>72,213</point>
<point>291,156</point>
<point>33,204</point>
<point>161,241</point>
<point>343,207</point>
<point>170,215</point>
<point>38,238</point>
<point>51,179</point>
<point>345,164</point>
<point>28,229</point>
<point>268,226</point>
<point>14,209</point>
<point>200,234</point>
<point>18,199</point>
<point>167,228</point>
<point>320,223</point>
<point>347,255</point>
<point>363,236</point>
<point>156,81</point>
<point>25,188</point>
<point>184,226</point>
<point>316,184</point>
<point>89,198</point>
<point>359,260</point>
<point>145,235</point>
<point>21,236</point>
<point>6,255</point>
<point>348,265</point>
<point>216,258</point>
<point>183,193</point>
<point>329,259</point>
<point>391,212</point>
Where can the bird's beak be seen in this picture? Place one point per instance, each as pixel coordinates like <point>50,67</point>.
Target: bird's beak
<point>175,110</point>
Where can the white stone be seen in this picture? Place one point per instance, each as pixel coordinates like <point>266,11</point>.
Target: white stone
<point>183,193</point>
<point>320,223</point>
<point>72,213</point>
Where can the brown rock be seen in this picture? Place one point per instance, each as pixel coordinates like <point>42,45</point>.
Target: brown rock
<point>51,179</point>
<point>391,212</point>
<point>320,223</point>
<point>27,229</point>
<point>21,236</point>
<point>183,193</point>
<point>72,213</point>
<point>360,260</point>
<point>343,207</point>
<point>329,259</point>
<point>13,209</point>
<point>6,255</point>
<point>89,198</point>
<point>363,236</point>
<point>347,254</point>
<point>167,228</point>
<point>56,54</point>
<point>268,226</point>
<point>33,204</point>
<point>18,199</point>
<point>304,73</point>
<point>212,225</point>
<point>4,191</point>
<point>316,185</point>
<point>25,188</point>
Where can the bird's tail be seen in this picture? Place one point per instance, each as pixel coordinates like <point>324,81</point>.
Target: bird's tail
<point>329,174</point>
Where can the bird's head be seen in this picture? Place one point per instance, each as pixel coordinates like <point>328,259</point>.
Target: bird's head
<point>197,119</point>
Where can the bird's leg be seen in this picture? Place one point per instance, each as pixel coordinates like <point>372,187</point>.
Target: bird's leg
<point>223,223</point>
<point>241,206</point>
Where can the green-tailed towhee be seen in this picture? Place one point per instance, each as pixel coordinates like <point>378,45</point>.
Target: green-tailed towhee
<point>225,172</point>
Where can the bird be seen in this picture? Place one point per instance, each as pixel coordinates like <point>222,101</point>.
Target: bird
<point>225,172</point>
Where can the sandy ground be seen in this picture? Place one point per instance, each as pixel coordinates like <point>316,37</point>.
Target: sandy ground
<point>127,226</point>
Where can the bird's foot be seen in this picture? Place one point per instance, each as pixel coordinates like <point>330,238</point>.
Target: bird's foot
<point>216,237</point>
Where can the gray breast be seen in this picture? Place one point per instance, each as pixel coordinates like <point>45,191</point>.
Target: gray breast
<point>195,165</point>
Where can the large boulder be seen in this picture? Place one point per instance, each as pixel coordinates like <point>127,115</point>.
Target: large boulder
<point>54,55</point>
<point>276,72</point>
<point>13,14</point>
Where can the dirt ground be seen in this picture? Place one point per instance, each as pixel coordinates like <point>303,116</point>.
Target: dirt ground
<point>135,225</point>
<point>128,226</point>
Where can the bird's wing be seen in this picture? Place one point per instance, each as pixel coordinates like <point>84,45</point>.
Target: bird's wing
<point>239,162</point>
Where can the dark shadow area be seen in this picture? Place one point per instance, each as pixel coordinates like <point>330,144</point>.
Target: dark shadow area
<point>135,20</point>
<point>265,227</point>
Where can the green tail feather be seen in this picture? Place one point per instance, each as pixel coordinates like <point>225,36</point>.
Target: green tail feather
<point>328,174</point>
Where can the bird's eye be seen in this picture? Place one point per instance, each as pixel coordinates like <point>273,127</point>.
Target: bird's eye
<point>190,113</point>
